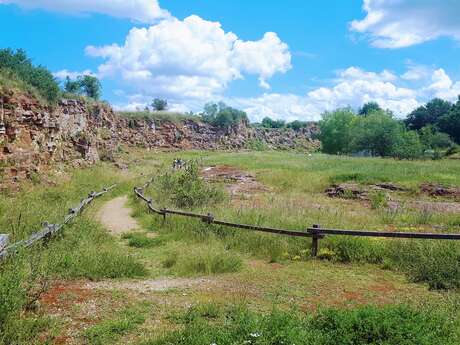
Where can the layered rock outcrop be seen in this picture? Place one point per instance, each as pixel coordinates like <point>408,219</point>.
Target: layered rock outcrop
<point>34,136</point>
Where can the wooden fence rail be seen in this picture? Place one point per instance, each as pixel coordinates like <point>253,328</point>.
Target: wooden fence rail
<point>316,232</point>
<point>48,230</point>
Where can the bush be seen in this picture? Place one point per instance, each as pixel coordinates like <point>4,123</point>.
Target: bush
<point>38,77</point>
<point>408,146</point>
<point>186,189</point>
<point>256,145</point>
<point>337,131</point>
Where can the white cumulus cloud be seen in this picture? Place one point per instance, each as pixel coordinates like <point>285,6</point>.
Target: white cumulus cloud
<point>403,23</point>
<point>146,11</point>
<point>190,58</point>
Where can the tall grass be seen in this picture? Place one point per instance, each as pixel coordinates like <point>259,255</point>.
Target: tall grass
<point>391,325</point>
<point>82,250</point>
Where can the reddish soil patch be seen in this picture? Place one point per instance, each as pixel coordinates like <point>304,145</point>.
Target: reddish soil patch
<point>65,294</point>
<point>239,184</point>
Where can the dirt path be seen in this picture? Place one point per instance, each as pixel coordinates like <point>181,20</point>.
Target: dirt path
<point>116,216</point>
<point>147,285</point>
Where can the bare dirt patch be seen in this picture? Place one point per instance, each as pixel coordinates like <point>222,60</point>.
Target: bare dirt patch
<point>238,183</point>
<point>439,190</point>
<point>116,216</point>
<point>146,285</point>
<point>357,191</point>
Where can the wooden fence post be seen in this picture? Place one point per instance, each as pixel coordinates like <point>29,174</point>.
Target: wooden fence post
<point>3,241</point>
<point>315,240</point>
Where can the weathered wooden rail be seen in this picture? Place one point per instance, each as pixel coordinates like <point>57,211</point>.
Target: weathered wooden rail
<point>316,232</point>
<point>48,230</point>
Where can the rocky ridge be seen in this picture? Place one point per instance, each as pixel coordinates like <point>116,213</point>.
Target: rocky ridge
<point>34,136</point>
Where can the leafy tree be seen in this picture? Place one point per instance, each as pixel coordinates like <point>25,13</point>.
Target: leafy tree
<point>369,107</point>
<point>270,123</point>
<point>297,125</point>
<point>159,104</point>
<point>377,133</point>
<point>222,115</point>
<point>38,77</point>
<point>431,138</point>
<point>428,114</point>
<point>90,86</point>
<point>450,122</point>
<point>71,86</point>
<point>337,131</point>
<point>407,145</point>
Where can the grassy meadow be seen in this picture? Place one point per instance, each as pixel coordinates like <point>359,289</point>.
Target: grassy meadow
<point>252,288</point>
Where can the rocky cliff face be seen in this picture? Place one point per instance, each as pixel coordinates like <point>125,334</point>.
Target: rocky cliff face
<point>34,137</point>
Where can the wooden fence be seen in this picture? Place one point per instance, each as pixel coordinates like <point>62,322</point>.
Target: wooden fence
<point>315,232</point>
<point>48,230</point>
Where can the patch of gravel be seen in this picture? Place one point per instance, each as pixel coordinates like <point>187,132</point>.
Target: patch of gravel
<point>147,285</point>
<point>237,183</point>
<point>116,216</point>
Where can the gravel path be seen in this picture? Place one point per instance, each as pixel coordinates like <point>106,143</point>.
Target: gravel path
<point>116,216</point>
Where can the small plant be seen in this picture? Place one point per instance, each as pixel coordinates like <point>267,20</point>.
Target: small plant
<point>108,331</point>
<point>256,145</point>
<point>140,240</point>
<point>186,189</point>
<point>378,200</point>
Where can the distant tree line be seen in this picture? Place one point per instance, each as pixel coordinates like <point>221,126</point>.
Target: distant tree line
<point>430,130</point>
<point>15,64</point>
<point>268,122</point>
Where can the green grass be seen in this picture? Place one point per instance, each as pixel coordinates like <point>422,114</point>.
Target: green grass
<point>112,329</point>
<point>189,247</point>
<point>391,325</point>
<point>141,240</point>
<point>298,201</point>
<point>201,260</point>
<point>83,249</point>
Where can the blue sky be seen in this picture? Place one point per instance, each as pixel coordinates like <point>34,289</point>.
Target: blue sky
<point>317,55</point>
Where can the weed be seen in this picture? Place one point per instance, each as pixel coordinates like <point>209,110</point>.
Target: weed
<point>186,189</point>
<point>378,200</point>
<point>140,240</point>
<point>200,259</point>
<point>107,332</point>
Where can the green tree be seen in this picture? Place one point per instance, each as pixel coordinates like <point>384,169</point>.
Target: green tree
<point>297,125</point>
<point>377,133</point>
<point>450,122</point>
<point>408,145</point>
<point>337,131</point>
<point>428,114</point>
<point>90,86</point>
<point>222,115</point>
<point>159,104</point>
<point>71,86</point>
<point>368,108</point>
<point>38,76</point>
<point>270,123</point>
<point>433,139</point>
